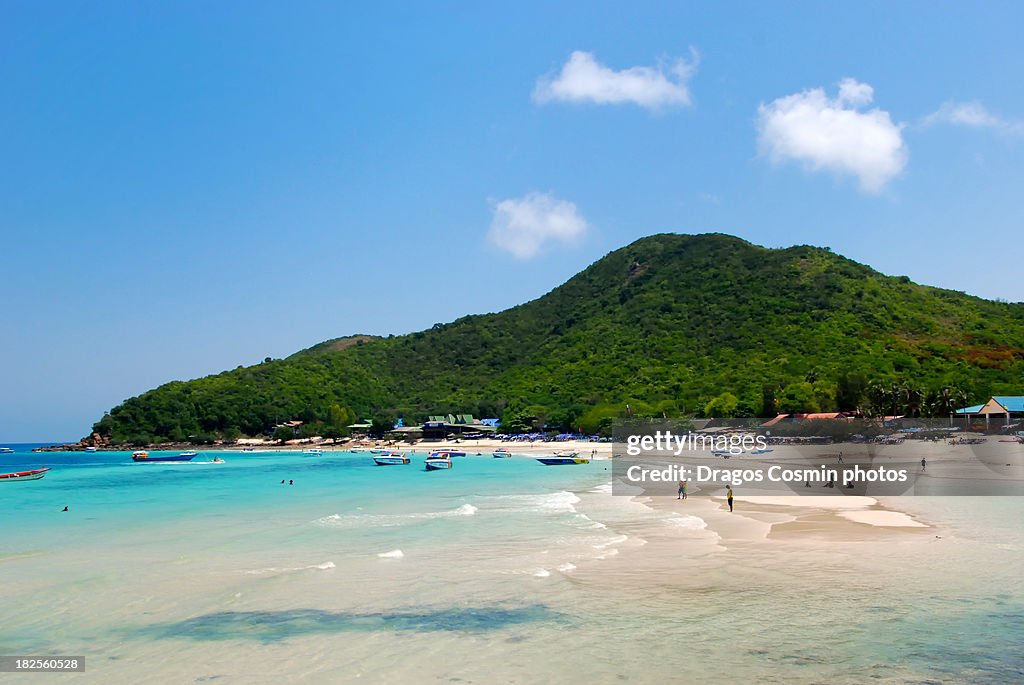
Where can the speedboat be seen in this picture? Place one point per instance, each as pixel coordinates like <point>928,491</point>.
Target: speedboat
<point>143,455</point>
<point>567,453</point>
<point>437,461</point>
<point>34,474</point>
<point>90,449</point>
<point>450,453</point>
<point>314,452</point>
<point>563,460</point>
<point>391,459</point>
<point>6,450</point>
<point>501,453</point>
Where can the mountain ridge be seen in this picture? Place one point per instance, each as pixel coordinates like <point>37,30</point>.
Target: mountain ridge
<point>670,323</point>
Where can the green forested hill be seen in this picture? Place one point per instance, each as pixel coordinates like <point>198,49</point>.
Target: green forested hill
<point>671,324</point>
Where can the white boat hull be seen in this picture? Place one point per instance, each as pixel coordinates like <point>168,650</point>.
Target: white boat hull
<point>391,461</point>
<point>437,464</point>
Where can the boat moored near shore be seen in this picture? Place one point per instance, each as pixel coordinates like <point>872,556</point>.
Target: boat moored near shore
<point>143,456</point>
<point>565,460</point>
<point>437,461</point>
<point>391,459</point>
<point>34,474</point>
<point>450,453</point>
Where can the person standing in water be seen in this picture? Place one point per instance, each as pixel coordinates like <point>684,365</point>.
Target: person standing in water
<point>728,496</point>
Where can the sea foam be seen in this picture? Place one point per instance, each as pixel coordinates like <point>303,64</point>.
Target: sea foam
<point>327,565</point>
<point>553,502</point>
<point>391,520</point>
<point>687,522</point>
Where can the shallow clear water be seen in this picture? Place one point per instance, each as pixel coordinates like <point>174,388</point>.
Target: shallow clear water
<point>500,570</point>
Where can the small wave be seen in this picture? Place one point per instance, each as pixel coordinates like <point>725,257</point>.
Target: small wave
<point>617,540</point>
<point>466,510</point>
<point>555,502</point>
<point>393,554</point>
<point>391,520</point>
<point>604,488</point>
<point>687,522</point>
<point>327,565</point>
<point>541,573</point>
<point>610,553</point>
<point>584,521</point>
<point>567,568</point>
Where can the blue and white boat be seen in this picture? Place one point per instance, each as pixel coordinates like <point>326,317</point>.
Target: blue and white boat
<point>314,452</point>
<point>501,453</point>
<point>560,460</point>
<point>438,461</point>
<point>391,459</point>
<point>450,453</point>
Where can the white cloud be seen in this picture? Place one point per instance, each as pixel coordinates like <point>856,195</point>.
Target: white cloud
<point>974,115</point>
<point>834,134</point>
<point>524,225</point>
<point>855,93</point>
<point>584,79</point>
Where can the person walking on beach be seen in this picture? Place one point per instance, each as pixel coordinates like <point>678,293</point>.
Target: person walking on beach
<point>840,457</point>
<point>682,490</point>
<point>728,496</point>
<point>923,463</point>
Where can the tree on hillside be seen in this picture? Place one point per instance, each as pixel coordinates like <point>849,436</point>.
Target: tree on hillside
<point>722,407</point>
<point>798,398</point>
<point>850,391</point>
<point>381,425</point>
<point>517,421</point>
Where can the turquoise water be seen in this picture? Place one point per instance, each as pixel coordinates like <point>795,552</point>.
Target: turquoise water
<point>500,570</point>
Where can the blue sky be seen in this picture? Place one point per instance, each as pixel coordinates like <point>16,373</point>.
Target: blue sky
<point>188,187</point>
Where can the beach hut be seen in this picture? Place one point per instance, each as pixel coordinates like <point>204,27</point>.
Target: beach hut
<point>1007,406</point>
